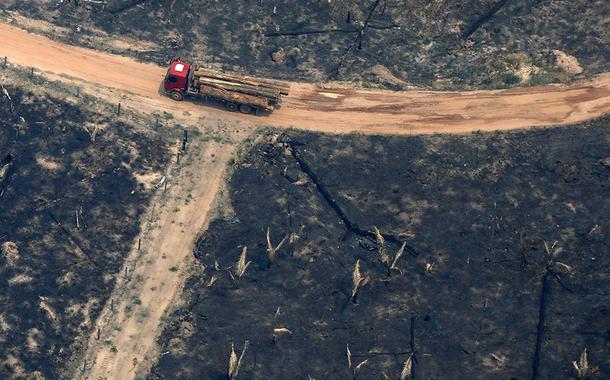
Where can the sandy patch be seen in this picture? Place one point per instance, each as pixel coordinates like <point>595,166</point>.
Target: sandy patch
<point>331,95</point>
<point>47,163</point>
<point>567,62</point>
<point>10,252</point>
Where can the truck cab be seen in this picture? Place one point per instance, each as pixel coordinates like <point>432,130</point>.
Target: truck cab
<point>176,79</point>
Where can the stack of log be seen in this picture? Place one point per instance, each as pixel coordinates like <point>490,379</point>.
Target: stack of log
<point>262,93</point>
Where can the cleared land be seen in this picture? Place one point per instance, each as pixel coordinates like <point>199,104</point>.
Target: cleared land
<point>75,185</point>
<point>504,275</point>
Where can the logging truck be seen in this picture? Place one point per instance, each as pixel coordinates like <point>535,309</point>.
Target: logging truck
<point>236,92</point>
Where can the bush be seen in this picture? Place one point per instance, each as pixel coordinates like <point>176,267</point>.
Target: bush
<point>537,79</point>
<point>510,78</point>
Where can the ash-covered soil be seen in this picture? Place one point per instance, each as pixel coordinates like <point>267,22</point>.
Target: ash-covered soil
<point>442,44</point>
<point>70,208</point>
<point>505,273</point>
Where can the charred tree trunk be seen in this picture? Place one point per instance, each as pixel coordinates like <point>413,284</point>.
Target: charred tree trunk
<point>483,19</point>
<point>123,6</point>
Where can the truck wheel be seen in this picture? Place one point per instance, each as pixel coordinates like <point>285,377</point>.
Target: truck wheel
<point>244,108</point>
<point>231,106</point>
<point>176,95</point>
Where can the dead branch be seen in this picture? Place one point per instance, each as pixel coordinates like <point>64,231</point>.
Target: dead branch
<point>91,133</point>
<point>357,40</point>
<point>126,6</point>
<point>349,224</point>
<point>540,329</point>
<point>72,238</point>
<point>333,30</point>
<point>483,19</point>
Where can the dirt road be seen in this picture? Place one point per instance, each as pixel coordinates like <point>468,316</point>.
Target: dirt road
<point>328,108</point>
<point>152,277</point>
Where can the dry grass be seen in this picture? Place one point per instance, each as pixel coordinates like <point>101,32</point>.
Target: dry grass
<point>212,281</point>
<point>92,129</point>
<point>349,361</point>
<point>4,170</point>
<point>383,254</point>
<point>407,368</point>
<point>565,267</point>
<point>242,265</point>
<point>553,250</point>
<point>234,363</point>
<point>5,93</point>
<point>399,253</point>
<point>362,363</point>
<point>271,250</point>
<point>429,267</point>
<point>357,280</point>
<point>349,356</point>
<point>583,370</point>
<point>280,331</point>
<point>8,97</point>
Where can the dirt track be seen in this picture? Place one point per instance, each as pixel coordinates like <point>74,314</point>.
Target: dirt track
<point>156,273</point>
<point>329,108</point>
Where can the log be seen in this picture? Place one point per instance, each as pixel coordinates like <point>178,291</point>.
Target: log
<point>265,83</point>
<point>357,41</point>
<point>237,87</point>
<point>235,97</point>
<point>294,33</point>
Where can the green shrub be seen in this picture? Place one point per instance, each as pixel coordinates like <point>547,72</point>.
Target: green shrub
<point>537,79</point>
<point>510,78</point>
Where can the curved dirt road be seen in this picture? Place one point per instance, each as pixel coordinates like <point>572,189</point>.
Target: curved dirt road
<point>323,108</point>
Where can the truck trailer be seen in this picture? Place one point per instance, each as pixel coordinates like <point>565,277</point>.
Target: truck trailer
<point>236,92</point>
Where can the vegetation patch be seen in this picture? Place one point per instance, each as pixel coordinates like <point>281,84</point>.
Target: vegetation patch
<point>389,43</point>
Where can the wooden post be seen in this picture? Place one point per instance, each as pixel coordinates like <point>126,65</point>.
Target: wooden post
<point>118,111</point>
<point>112,304</point>
<point>165,187</point>
<point>98,333</point>
<point>178,158</point>
<point>125,272</point>
<point>139,243</point>
<point>32,73</point>
<point>5,61</point>
<point>157,121</point>
<point>185,139</point>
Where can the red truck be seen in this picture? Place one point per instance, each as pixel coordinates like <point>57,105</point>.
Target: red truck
<point>236,92</point>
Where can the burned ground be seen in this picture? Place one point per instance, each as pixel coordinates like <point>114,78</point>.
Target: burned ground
<point>56,275</point>
<point>444,44</point>
<point>505,275</point>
